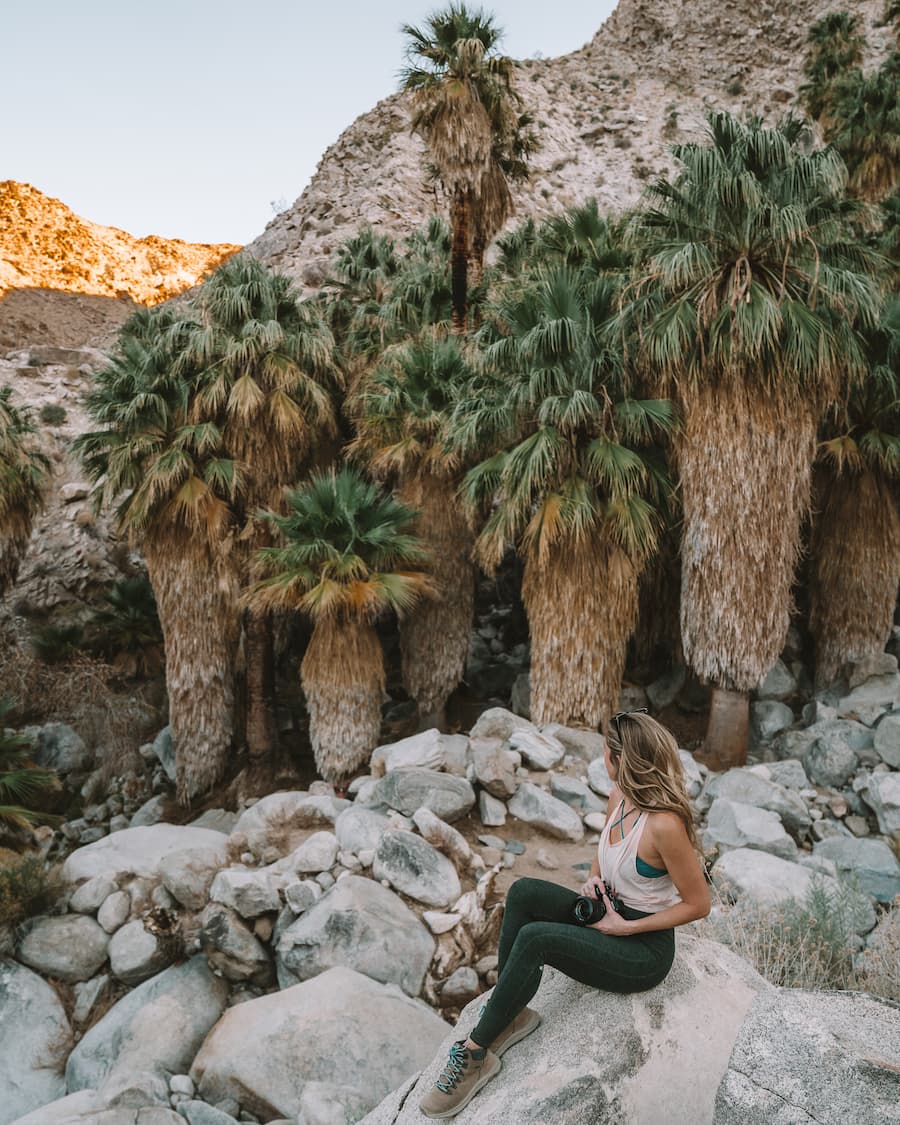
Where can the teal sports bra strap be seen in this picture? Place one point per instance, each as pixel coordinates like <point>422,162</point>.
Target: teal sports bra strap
<point>622,817</point>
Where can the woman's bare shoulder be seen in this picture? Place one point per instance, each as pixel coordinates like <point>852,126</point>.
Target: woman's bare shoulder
<point>666,826</point>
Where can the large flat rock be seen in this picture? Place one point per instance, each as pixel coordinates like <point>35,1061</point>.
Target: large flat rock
<point>364,926</point>
<point>136,851</point>
<point>822,1058</point>
<point>599,1057</point>
<point>154,1031</point>
<point>34,1034</point>
<point>340,1028</point>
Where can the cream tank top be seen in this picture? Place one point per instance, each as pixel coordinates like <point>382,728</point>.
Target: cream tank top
<point>618,867</point>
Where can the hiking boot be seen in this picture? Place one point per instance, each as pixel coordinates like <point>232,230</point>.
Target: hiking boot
<point>525,1022</point>
<point>464,1073</point>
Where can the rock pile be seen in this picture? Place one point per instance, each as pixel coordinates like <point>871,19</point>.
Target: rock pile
<point>390,896</point>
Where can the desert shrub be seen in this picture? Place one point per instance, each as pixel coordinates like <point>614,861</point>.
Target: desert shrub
<point>806,943</point>
<point>27,887</point>
<point>55,644</point>
<point>52,414</point>
<point>85,693</point>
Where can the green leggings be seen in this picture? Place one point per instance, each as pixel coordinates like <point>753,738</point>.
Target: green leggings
<point>537,931</point>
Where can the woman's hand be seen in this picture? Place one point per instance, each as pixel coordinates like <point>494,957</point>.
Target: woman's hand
<point>611,923</point>
<point>588,888</point>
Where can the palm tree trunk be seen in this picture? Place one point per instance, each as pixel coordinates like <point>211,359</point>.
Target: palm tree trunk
<point>434,639</point>
<point>744,460</point>
<point>343,680</point>
<point>459,260</point>
<point>725,745</point>
<point>855,569</point>
<point>582,602</point>
<point>196,595</point>
<point>262,734</point>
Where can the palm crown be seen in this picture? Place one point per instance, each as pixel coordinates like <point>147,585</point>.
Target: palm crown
<point>162,466</point>
<point>747,267</point>
<point>348,555</point>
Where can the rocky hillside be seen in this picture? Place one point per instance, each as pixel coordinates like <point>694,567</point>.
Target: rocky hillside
<point>45,245</point>
<point>605,114</point>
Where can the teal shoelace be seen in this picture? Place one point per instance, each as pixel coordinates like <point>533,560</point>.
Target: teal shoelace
<point>453,1071</point>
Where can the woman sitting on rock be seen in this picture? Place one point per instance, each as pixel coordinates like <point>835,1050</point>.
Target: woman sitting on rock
<point>647,860</point>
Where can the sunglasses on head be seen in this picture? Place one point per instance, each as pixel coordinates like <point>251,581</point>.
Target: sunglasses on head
<point>624,715</point>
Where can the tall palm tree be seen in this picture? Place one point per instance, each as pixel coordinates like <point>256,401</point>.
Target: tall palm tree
<point>746,301</point>
<point>401,418</point>
<point>265,373</point>
<point>348,556</point>
<point>466,109</point>
<point>864,126</point>
<point>23,475</point>
<point>173,488</point>
<point>835,45</point>
<point>856,534</point>
<point>566,480</point>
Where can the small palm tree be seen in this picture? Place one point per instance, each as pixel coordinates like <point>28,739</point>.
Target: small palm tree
<point>23,474</point>
<point>856,533</point>
<point>348,557</point>
<point>264,363</point>
<point>127,626</point>
<point>22,783</point>
<point>173,488</point>
<point>569,479</point>
<point>468,112</point>
<point>747,300</point>
<point>401,418</point>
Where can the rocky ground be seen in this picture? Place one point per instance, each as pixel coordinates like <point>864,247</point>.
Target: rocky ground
<point>338,923</point>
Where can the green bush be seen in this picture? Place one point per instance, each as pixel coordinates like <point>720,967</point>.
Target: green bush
<point>55,644</point>
<point>26,888</point>
<point>52,414</point>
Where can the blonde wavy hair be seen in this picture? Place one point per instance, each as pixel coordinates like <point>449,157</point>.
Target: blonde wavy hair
<point>648,767</point>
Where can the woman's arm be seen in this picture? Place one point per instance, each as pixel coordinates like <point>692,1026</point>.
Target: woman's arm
<point>595,878</point>
<point>681,862</point>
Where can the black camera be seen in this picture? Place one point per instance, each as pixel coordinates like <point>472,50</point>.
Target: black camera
<point>589,910</point>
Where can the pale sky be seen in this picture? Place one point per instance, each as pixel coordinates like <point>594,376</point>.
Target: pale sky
<point>188,118</point>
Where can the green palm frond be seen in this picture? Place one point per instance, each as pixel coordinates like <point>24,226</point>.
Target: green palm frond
<point>348,552</point>
<point>745,265</point>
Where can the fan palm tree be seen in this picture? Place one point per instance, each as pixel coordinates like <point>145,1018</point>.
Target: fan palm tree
<point>23,475</point>
<point>746,302</point>
<point>567,480</point>
<point>401,418</point>
<point>127,626</point>
<point>864,126</point>
<point>265,373</point>
<point>173,489</point>
<point>856,534</point>
<point>836,45</point>
<point>348,556</point>
<point>466,109</point>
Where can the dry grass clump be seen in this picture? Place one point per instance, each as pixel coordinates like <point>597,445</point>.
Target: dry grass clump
<point>878,966</point>
<point>80,692</point>
<point>809,943</point>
